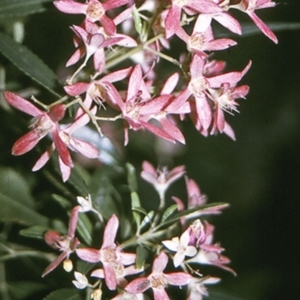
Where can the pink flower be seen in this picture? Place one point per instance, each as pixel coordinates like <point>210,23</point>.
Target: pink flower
<point>210,253</point>
<point>44,123</point>
<point>74,144</point>
<point>96,90</point>
<point>120,272</point>
<point>197,289</point>
<point>249,7</point>
<point>161,179</point>
<point>139,108</point>
<point>173,18</point>
<point>201,41</point>
<point>65,243</point>
<point>181,247</point>
<point>158,280</point>
<point>93,10</point>
<point>205,81</point>
<point>110,255</point>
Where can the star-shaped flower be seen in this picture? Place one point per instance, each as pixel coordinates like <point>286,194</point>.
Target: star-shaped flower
<point>158,280</point>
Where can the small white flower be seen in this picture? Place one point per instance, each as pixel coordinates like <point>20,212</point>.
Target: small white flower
<point>85,203</point>
<point>181,247</point>
<point>81,281</point>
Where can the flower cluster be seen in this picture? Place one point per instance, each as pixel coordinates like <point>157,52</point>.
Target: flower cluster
<point>121,44</point>
<point>194,247</point>
<point>205,90</point>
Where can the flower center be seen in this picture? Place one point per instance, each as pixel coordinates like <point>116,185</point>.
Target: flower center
<point>95,11</point>
<point>197,86</point>
<point>196,41</point>
<point>109,255</point>
<point>158,281</point>
<point>43,125</point>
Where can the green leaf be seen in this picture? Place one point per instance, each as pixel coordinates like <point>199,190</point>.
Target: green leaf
<point>65,203</point>
<point>16,202</point>
<point>13,210</point>
<point>13,185</point>
<point>169,211</point>
<point>135,203</point>
<point>65,294</point>
<point>16,8</point>
<point>141,256</point>
<point>25,289</point>
<point>36,232</point>
<point>138,24</point>
<point>77,180</point>
<point>103,193</point>
<point>148,219</point>
<point>132,181</point>
<point>189,212</point>
<point>28,62</point>
<point>85,229</point>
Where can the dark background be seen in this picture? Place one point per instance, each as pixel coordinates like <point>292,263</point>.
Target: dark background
<point>258,174</point>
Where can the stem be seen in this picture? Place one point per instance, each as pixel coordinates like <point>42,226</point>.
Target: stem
<point>26,253</point>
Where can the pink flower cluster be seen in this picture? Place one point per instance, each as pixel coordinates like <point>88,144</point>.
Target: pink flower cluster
<point>205,90</point>
<point>194,247</point>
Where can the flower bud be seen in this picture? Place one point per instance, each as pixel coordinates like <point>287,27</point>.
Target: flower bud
<point>68,265</point>
<point>197,233</point>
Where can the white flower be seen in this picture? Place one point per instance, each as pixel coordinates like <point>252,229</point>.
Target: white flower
<point>81,281</point>
<point>85,203</point>
<point>181,247</point>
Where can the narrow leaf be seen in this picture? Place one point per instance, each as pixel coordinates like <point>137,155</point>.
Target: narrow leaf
<point>28,62</point>
<point>13,185</point>
<point>135,203</point>
<point>17,8</point>
<point>141,256</point>
<point>66,294</point>
<point>85,229</point>
<point>132,182</point>
<point>12,210</point>
<point>187,212</point>
<point>36,232</point>
<point>137,21</point>
<point>169,211</point>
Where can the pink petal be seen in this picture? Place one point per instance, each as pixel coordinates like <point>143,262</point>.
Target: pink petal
<point>160,263</point>
<point>157,131</point>
<point>99,273</point>
<point>172,21</point>
<point>110,232</point>
<point>88,254</point>
<point>78,54</point>
<point>22,104</point>
<point>134,84</point>
<point>110,276</point>
<point>83,148</point>
<point>138,285</point>
<point>64,170</point>
<point>127,258</point>
<point>55,263</point>
<point>70,6</point>
<point>263,27</point>
<point>73,221</point>
<point>62,149</point>
<point>160,294</point>
<point>169,127</point>
<point>229,22</point>
<point>43,159</point>
<point>108,25</point>
<point>178,278</point>
<point>77,88</point>
<point>26,143</point>
<point>170,84</point>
